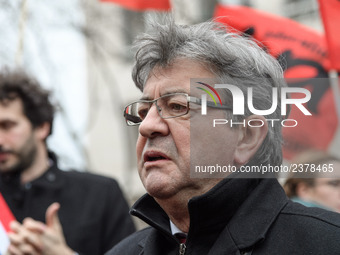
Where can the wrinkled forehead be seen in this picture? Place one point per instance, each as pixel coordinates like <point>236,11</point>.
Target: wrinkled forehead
<point>174,78</point>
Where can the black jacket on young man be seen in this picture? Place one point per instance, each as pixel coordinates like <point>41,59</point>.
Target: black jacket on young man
<point>237,216</point>
<point>93,213</point>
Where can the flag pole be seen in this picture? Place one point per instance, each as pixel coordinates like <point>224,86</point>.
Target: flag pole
<point>334,83</point>
<point>21,35</point>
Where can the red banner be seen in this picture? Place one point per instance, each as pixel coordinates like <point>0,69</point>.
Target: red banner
<point>330,13</point>
<point>141,5</point>
<point>302,53</point>
<point>6,215</point>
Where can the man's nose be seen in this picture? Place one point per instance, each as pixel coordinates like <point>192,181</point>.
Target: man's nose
<point>153,124</point>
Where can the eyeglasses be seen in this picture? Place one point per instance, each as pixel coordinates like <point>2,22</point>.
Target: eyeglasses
<point>168,106</point>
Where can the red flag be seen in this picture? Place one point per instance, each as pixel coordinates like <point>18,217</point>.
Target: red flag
<point>141,5</point>
<point>330,12</point>
<point>6,217</point>
<point>304,55</point>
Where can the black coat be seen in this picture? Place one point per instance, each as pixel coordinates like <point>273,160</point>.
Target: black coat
<point>238,216</point>
<point>93,212</point>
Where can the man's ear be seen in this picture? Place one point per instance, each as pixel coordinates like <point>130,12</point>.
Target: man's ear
<point>43,130</point>
<point>250,138</point>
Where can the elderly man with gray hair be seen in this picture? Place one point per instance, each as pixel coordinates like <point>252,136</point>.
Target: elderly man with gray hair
<point>199,201</point>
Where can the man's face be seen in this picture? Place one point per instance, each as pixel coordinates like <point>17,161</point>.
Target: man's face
<point>17,140</point>
<point>163,146</point>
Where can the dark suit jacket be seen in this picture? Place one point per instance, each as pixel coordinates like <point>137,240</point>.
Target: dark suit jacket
<point>93,213</point>
<point>238,216</point>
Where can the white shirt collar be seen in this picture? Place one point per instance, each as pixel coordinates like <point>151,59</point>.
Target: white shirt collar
<point>175,229</point>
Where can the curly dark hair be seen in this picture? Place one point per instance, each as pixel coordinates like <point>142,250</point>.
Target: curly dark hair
<point>36,100</point>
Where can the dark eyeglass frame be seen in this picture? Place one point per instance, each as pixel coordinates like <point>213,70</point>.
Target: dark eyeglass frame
<point>134,120</point>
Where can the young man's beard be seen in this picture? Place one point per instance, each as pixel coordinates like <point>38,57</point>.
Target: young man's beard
<point>25,156</point>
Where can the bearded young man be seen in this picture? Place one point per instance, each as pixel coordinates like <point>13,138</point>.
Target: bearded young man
<point>93,213</point>
<point>212,215</point>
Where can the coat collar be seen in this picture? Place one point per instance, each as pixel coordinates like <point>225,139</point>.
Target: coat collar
<point>257,213</point>
<point>238,209</point>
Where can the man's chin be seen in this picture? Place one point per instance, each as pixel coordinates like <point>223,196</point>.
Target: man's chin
<point>9,168</point>
<point>5,170</point>
<point>159,191</point>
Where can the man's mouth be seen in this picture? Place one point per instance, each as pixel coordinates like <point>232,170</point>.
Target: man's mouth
<point>4,156</point>
<point>152,156</point>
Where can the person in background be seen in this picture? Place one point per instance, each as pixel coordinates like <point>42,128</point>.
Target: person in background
<point>210,214</point>
<point>316,181</point>
<point>57,212</point>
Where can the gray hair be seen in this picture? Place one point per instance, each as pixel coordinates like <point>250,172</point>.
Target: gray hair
<point>234,59</point>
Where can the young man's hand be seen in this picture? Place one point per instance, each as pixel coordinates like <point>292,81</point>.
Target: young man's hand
<point>36,238</point>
